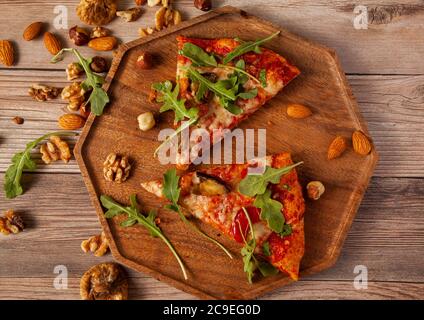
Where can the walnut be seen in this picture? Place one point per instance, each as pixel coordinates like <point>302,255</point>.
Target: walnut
<point>315,189</point>
<point>145,32</point>
<point>130,14</point>
<point>54,150</point>
<point>74,71</point>
<point>96,244</point>
<point>166,17</point>
<point>99,32</point>
<point>96,12</point>
<point>75,95</point>
<point>42,93</point>
<point>11,223</point>
<point>105,281</point>
<point>116,168</point>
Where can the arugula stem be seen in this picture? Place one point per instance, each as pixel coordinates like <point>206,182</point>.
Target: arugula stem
<point>239,70</point>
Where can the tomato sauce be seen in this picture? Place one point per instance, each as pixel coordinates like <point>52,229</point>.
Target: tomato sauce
<point>240,227</point>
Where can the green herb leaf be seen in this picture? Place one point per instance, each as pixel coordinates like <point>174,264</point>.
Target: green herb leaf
<point>287,230</point>
<point>198,56</point>
<point>134,216</point>
<point>270,211</point>
<point>257,184</point>
<point>267,269</point>
<point>266,249</point>
<point>247,47</point>
<point>98,97</point>
<point>22,161</point>
<point>262,77</point>
<point>248,94</point>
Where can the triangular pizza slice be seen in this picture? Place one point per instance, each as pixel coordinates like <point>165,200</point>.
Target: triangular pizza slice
<point>214,196</point>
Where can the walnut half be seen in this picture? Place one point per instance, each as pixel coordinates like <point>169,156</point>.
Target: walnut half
<point>11,223</point>
<point>97,244</point>
<point>43,93</point>
<point>54,150</point>
<point>116,168</point>
<point>105,281</point>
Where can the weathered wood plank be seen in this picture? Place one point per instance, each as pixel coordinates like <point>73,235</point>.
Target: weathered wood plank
<point>150,289</point>
<point>392,106</point>
<point>383,48</point>
<point>387,235</point>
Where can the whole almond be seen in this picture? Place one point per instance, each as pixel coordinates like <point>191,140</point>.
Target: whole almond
<point>361,144</point>
<point>336,148</point>
<point>298,111</point>
<point>7,53</point>
<point>51,43</point>
<point>71,121</point>
<point>103,43</point>
<point>32,31</point>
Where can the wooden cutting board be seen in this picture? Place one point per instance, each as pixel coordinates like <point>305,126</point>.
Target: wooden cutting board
<point>322,86</point>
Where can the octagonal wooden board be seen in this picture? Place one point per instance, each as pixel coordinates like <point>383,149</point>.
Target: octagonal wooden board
<point>321,86</point>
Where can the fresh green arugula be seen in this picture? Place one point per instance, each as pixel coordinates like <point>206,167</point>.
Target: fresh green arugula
<point>250,262</point>
<point>270,211</point>
<point>98,97</point>
<point>21,161</point>
<point>171,191</point>
<point>266,250</point>
<point>247,46</point>
<point>198,56</point>
<point>135,217</point>
<point>262,77</point>
<point>257,184</point>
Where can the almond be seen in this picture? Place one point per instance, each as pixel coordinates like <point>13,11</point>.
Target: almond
<point>103,43</point>
<point>298,111</point>
<point>71,121</point>
<point>51,43</point>
<point>32,31</point>
<point>336,148</point>
<point>7,53</point>
<point>361,144</point>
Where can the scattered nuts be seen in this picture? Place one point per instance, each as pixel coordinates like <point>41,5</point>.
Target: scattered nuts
<point>315,189</point>
<point>74,71</point>
<point>54,150</point>
<point>79,36</point>
<point>204,5</point>
<point>11,223</point>
<point>18,120</point>
<point>32,31</point>
<point>96,12</point>
<point>103,43</point>
<point>298,111</point>
<point>71,121</point>
<point>152,3</point>
<point>336,148</point>
<point>160,18</point>
<point>166,3</point>
<point>75,95</point>
<point>116,168</point>
<point>7,53</point>
<point>105,281</point>
<point>42,93</point>
<point>85,110</point>
<point>176,17</point>
<point>99,64</point>
<point>51,43</point>
<point>96,244</point>
<point>165,17</point>
<point>361,144</point>
<point>140,2</point>
<point>130,14</point>
<point>144,60</point>
<point>146,121</point>
<point>99,32</point>
<point>145,32</point>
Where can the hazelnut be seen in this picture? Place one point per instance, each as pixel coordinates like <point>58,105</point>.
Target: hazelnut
<point>144,60</point>
<point>99,64</point>
<point>315,189</point>
<point>79,36</point>
<point>18,120</point>
<point>204,5</point>
<point>99,32</point>
<point>146,121</point>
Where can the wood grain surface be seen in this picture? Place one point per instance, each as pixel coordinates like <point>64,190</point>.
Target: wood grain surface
<point>385,72</point>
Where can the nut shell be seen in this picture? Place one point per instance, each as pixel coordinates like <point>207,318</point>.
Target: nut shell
<point>7,53</point>
<point>71,121</point>
<point>32,31</point>
<point>361,144</point>
<point>51,43</point>
<point>336,148</point>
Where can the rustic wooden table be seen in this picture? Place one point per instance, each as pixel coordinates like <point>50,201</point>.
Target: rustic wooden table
<point>385,69</point>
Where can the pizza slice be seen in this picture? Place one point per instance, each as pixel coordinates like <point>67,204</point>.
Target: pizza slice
<point>224,81</point>
<point>274,216</point>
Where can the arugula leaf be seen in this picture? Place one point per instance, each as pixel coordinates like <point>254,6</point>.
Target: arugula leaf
<point>171,191</point>
<point>267,269</point>
<point>197,55</point>
<point>257,184</point>
<point>21,161</point>
<point>170,101</point>
<point>287,230</point>
<point>248,94</point>
<point>247,47</point>
<point>270,211</point>
<point>266,250</point>
<point>98,97</point>
<point>134,216</point>
<point>262,77</point>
